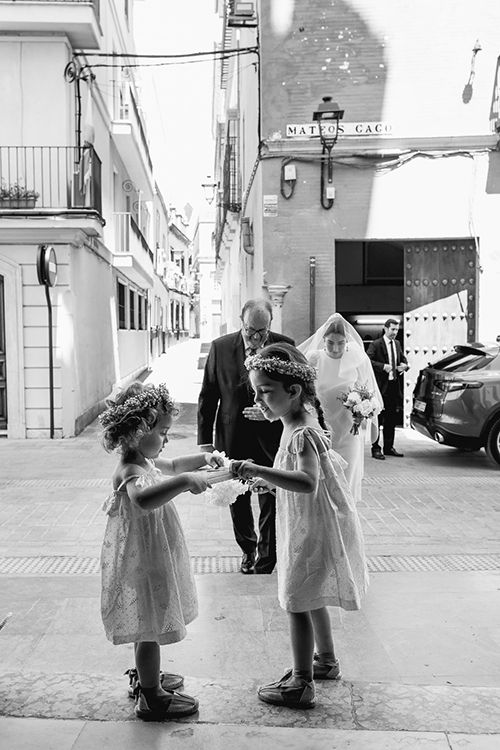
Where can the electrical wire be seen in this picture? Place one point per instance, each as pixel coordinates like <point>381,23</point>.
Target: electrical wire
<point>207,53</point>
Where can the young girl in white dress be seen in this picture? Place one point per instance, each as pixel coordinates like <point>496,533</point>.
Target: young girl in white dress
<point>321,559</point>
<point>148,591</point>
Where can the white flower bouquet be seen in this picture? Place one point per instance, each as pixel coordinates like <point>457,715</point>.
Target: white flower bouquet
<point>361,403</point>
<point>225,488</point>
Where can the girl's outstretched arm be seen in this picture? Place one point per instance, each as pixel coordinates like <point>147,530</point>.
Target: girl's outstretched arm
<point>304,479</point>
<point>188,463</point>
<point>149,498</point>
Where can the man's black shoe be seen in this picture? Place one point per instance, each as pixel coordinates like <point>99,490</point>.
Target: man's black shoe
<point>377,453</point>
<point>264,565</point>
<point>263,569</point>
<point>247,563</point>
<point>393,452</point>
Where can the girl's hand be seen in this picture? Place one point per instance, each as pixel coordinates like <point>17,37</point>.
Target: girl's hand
<point>260,487</point>
<point>214,460</point>
<point>244,469</point>
<point>197,482</point>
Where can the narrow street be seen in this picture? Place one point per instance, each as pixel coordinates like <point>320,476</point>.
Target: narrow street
<point>420,662</point>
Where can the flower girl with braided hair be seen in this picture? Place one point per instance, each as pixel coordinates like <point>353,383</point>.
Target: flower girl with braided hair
<point>148,592</point>
<point>321,559</point>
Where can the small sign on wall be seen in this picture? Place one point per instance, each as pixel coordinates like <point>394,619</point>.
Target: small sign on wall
<point>311,130</point>
<point>270,205</point>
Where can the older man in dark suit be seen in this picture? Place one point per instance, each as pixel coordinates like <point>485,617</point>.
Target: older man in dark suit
<point>226,403</point>
<point>389,364</point>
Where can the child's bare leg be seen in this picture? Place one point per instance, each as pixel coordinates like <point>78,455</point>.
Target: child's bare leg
<point>302,637</point>
<point>326,666</point>
<point>147,661</point>
<point>295,689</point>
<point>154,703</point>
<point>323,632</point>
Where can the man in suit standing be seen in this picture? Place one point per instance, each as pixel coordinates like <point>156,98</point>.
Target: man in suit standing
<point>226,401</point>
<point>389,364</point>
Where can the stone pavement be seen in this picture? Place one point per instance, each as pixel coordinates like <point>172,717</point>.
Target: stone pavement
<point>421,661</point>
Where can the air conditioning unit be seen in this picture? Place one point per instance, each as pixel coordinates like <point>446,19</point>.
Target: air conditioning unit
<point>242,15</point>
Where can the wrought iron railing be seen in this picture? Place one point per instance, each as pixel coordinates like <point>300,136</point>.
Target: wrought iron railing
<point>231,176</point>
<point>49,177</point>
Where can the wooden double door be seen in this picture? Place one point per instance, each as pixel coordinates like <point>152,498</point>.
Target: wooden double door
<point>440,302</point>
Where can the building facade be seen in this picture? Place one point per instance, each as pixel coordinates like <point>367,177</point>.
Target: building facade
<point>75,175</point>
<point>409,227</point>
<point>179,275</point>
<point>207,289</point>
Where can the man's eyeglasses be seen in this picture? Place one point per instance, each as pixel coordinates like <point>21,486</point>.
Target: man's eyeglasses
<point>253,332</point>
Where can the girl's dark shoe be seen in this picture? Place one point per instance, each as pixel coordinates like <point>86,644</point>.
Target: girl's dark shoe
<point>167,681</point>
<point>323,671</point>
<point>299,694</point>
<point>172,705</point>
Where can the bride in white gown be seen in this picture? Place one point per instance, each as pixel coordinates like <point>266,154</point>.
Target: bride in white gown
<point>337,352</point>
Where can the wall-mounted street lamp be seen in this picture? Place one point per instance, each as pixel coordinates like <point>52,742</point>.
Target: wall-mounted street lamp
<point>327,116</point>
<point>209,190</point>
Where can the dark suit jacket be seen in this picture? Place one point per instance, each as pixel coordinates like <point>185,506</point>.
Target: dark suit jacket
<point>224,394</point>
<point>377,352</point>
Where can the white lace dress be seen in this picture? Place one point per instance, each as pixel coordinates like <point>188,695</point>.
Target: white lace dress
<point>148,590</point>
<point>320,547</point>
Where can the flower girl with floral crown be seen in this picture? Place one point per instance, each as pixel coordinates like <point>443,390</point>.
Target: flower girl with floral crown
<point>148,591</point>
<point>321,560</point>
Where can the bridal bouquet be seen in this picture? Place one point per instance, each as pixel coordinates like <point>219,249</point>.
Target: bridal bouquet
<point>362,405</point>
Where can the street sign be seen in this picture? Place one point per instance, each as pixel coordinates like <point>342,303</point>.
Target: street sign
<point>46,265</point>
<point>329,129</point>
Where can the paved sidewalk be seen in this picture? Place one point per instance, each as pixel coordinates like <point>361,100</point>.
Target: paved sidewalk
<point>421,661</point>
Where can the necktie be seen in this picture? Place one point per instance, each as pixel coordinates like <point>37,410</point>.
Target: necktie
<point>393,360</point>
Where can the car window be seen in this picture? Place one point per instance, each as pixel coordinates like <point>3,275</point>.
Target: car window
<point>463,362</point>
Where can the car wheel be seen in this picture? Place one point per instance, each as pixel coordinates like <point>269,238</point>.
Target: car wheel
<point>493,442</point>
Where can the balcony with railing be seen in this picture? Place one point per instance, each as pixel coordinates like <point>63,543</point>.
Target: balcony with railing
<point>77,19</point>
<point>131,251</point>
<point>129,135</point>
<point>231,183</point>
<point>49,179</point>
<point>176,279</point>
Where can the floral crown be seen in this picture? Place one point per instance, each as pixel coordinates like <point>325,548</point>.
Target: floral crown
<point>305,373</point>
<point>152,397</point>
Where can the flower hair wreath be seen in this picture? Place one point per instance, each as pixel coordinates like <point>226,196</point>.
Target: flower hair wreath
<point>152,397</point>
<point>306,373</point>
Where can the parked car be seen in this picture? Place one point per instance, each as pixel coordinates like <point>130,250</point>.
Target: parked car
<point>456,401</point>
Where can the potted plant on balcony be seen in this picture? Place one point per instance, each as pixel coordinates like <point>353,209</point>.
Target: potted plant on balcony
<point>16,195</point>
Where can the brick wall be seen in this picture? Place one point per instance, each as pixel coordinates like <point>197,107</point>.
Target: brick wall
<point>406,63</point>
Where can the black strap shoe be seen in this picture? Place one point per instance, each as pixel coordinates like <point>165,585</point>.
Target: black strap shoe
<point>377,453</point>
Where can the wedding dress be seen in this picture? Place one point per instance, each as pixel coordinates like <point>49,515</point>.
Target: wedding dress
<point>335,377</point>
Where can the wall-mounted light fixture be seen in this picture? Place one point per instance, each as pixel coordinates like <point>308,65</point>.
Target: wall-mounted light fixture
<point>327,116</point>
<point>288,179</point>
<point>209,188</point>
<point>247,235</point>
